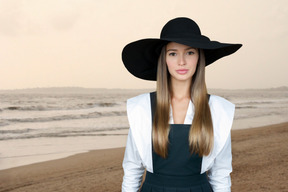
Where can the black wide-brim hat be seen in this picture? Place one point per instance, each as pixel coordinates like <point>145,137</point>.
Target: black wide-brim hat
<point>141,57</point>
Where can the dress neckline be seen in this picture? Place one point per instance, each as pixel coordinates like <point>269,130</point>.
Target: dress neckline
<point>188,116</point>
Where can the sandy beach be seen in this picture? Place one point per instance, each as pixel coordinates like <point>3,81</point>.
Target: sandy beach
<point>259,164</point>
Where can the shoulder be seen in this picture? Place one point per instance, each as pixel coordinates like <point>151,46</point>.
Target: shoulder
<point>139,101</point>
<point>138,107</point>
<point>221,106</point>
<point>139,98</point>
<point>217,100</point>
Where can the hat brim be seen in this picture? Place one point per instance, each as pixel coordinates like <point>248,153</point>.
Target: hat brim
<point>141,57</point>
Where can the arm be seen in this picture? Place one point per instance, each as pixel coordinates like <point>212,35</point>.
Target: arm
<point>133,168</point>
<point>219,174</point>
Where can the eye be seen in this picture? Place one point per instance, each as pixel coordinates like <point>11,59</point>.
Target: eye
<point>172,54</point>
<point>190,53</point>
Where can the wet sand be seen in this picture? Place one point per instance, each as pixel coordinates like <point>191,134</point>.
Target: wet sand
<point>259,164</point>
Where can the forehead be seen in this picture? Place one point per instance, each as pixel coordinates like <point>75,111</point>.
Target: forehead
<point>174,45</point>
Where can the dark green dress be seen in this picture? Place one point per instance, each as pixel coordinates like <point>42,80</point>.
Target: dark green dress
<point>180,171</point>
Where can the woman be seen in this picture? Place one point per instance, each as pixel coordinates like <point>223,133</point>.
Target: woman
<point>179,134</point>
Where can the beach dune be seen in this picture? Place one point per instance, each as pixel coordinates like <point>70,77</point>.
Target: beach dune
<point>259,164</point>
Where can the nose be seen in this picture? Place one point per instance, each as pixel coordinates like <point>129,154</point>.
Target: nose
<point>181,60</point>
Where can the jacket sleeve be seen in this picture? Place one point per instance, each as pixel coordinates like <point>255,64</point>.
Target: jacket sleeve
<point>132,166</point>
<point>219,174</point>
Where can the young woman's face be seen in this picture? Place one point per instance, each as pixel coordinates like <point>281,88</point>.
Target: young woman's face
<point>181,61</point>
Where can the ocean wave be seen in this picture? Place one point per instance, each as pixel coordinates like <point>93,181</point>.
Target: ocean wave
<point>55,107</point>
<point>17,131</point>
<point>255,115</point>
<point>105,104</point>
<point>245,107</point>
<point>32,133</point>
<point>28,108</point>
<point>3,123</point>
<point>256,102</point>
<point>68,117</point>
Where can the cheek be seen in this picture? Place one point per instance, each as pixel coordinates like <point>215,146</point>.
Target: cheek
<point>169,64</point>
<point>193,62</point>
<point>169,67</point>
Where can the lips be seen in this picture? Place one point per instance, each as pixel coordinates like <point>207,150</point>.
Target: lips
<point>182,71</point>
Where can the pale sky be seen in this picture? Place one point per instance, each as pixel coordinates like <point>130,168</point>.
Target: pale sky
<point>56,43</point>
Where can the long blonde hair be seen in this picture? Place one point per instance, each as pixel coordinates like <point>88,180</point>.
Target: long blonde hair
<point>201,131</point>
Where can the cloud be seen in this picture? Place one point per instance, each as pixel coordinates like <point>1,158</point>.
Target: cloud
<point>32,17</point>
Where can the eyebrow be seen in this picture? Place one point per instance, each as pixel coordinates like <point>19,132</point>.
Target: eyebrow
<point>177,49</point>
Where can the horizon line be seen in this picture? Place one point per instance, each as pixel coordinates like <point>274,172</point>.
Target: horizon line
<point>78,87</point>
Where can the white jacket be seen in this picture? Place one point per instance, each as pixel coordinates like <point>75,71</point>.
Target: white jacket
<point>138,153</point>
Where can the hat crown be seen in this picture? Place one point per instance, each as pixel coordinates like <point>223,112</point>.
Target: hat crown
<point>180,26</point>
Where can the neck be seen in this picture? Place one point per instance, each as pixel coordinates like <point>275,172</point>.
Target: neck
<point>180,89</point>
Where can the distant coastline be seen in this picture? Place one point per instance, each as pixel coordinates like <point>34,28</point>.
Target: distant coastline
<point>97,90</point>
<point>67,90</point>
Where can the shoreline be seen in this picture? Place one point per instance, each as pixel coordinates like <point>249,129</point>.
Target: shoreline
<point>89,143</point>
<point>259,164</point>
<point>41,149</point>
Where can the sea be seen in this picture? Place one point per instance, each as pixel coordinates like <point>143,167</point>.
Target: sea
<point>42,124</point>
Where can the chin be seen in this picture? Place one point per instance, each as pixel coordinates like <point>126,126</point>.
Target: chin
<point>183,78</point>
